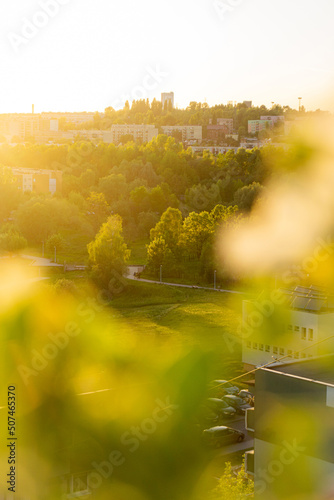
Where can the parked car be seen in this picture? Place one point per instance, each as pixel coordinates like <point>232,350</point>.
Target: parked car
<point>207,416</point>
<point>247,396</point>
<point>238,403</point>
<point>221,435</point>
<point>221,408</point>
<point>221,387</point>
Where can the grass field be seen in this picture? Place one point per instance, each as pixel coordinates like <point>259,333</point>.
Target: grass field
<point>138,253</point>
<point>188,317</point>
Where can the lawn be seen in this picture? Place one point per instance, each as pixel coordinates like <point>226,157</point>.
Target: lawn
<point>200,318</point>
<point>138,253</point>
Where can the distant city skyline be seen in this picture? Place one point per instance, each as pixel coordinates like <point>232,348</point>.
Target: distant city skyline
<point>66,55</point>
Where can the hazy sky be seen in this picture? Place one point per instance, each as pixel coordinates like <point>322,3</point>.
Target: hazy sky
<point>87,55</point>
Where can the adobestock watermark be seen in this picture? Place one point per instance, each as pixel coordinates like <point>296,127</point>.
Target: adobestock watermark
<point>30,28</point>
<point>152,79</point>
<point>264,309</point>
<point>76,157</point>
<point>223,8</point>
<point>202,196</point>
<point>275,468</point>
<point>87,312</point>
<point>131,441</point>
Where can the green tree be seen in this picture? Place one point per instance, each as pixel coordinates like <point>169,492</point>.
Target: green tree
<point>98,208</point>
<point>169,228</point>
<point>246,196</point>
<point>234,487</point>
<point>56,240</point>
<point>40,217</point>
<point>108,254</point>
<point>113,186</point>
<point>196,230</point>
<point>12,241</point>
<point>9,194</point>
<point>157,251</point>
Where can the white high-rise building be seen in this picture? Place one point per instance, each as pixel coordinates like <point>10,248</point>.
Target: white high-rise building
<point>167,97</point>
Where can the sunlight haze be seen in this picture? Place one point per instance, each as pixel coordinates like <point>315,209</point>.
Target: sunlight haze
<point>89,55</point>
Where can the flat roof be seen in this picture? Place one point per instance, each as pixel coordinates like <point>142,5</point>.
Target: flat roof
<point>320,369</point>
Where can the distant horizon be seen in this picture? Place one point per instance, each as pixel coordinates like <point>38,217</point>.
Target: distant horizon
<point>83,55</point>
<point>254,105</point>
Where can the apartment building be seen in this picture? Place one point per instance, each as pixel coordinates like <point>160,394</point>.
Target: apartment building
<point>293,425</point>
<point>143,133</point>
<point>288,323</point>
<point>167,97</point>
<point>26,126</point>
<point>189,132</point>
<point>274,119</point>
<point>227,123</point>
<point>38,181</point>
<point>255,126</point>
<point>214,150</point>
<point>75,118</point>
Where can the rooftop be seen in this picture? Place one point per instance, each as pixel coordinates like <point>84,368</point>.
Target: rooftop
<point>312,298</point>
<point>320,369</point>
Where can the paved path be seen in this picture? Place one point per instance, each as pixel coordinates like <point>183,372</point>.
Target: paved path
<point>130,277</point>
<point>40,261</point>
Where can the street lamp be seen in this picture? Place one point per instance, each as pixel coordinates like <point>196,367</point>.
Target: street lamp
<point>214,279</point>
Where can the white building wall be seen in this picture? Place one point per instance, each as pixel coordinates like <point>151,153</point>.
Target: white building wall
<point>296,336</point>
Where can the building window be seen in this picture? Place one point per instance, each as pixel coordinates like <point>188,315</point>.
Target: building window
<point>281,351</point>
<point>310,333</point>
<point>267,348</point>
<point>249,344</point>
<point>296,328</point>
<point>275,350</point>
<point>303,333</point>
<point>261,347</point>
<point>254,345</point>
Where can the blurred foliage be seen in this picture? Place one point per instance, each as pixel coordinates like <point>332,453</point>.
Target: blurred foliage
<point>95,400</point>
<point>234,487</point>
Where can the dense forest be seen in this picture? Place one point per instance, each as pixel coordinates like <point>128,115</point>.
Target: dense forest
<point>151,187</point>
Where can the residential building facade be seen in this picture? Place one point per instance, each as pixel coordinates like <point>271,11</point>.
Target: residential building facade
<point>167,97</point>
<point>287,324</point>
<point>274,119</point>
<point>38,181</point>
<point>293,430</point>
<point>143,133</point>
<point>255,126</point>
<point>27,126</point>
<point>189,132</point>
<point>227,123</point>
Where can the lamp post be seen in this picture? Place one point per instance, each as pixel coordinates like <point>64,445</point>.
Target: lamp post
<point>160,273</point>
<point>214,279</point>
<point>55,255</point>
